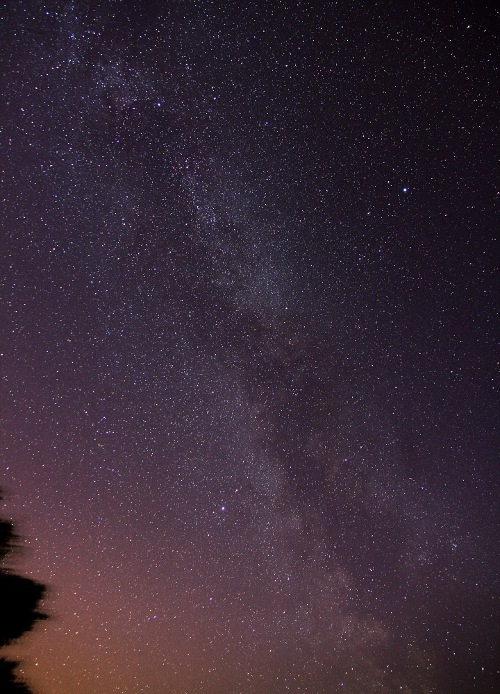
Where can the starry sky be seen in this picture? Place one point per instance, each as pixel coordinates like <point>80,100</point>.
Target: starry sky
<point>249,408</point>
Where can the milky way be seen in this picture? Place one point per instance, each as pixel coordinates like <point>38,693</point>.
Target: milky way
<point>249,433</point>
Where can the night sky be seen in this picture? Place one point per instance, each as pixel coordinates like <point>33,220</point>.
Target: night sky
<point>248,334</point>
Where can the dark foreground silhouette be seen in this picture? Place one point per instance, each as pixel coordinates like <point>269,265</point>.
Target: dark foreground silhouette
<point>19,601</point>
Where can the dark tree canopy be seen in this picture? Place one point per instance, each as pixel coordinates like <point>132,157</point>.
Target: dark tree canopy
<point>20,598</point>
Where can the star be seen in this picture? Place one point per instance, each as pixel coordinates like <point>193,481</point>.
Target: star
<point>197,308</point>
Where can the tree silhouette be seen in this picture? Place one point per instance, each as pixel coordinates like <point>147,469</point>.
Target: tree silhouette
<point>19,601</point>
